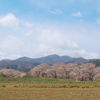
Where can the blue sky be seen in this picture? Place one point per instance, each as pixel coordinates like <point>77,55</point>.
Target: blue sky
<point>36,28</point>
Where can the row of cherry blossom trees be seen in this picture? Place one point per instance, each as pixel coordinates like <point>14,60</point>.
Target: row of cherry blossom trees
<point>82,72</point>
<point>11,73</point>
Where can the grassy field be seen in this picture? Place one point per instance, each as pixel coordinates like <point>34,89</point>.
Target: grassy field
<point>47,89</point>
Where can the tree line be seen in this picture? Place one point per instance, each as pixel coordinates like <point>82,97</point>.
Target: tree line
<point>79,72</point>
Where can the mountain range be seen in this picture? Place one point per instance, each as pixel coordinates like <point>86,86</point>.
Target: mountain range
<point>29,63</point>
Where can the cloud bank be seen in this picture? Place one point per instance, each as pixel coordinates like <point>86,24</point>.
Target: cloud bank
<point>35,40</point>
<point>9,20</point>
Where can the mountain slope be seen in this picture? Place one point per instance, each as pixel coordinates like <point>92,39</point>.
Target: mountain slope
<point>29,63</point>
<point>96,62</point>
<point>52,59</point>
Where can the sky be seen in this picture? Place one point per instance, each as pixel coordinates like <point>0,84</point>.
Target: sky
<point>37,28</point>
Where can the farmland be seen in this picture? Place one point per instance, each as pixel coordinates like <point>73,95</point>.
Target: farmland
<point>30,88</point>
<point>49,94</point>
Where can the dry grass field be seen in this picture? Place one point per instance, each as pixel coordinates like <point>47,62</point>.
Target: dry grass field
<point>49,94</point>
<point>47,89</point>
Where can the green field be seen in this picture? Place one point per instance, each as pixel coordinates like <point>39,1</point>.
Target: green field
<point>30,88</point>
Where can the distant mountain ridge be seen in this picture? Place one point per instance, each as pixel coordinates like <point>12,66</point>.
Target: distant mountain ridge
<point>29,63</point>
<point>52,59</point>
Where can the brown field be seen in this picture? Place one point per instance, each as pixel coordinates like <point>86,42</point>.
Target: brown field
<point>47,89</point>
<point>49,94</point>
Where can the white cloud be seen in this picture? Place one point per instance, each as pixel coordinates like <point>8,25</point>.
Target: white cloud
<point>2,53</point>
<point>12,56</point>
<point>9,20</point>
<point>83,53</point>
<point>77,14</point>
<point>8,56</point>
<point>53,42</point>
<point>46,40</point>
<point>11,43</point>
<point>45,49</point>
<point>57,11</point>
<point>56,39</point>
